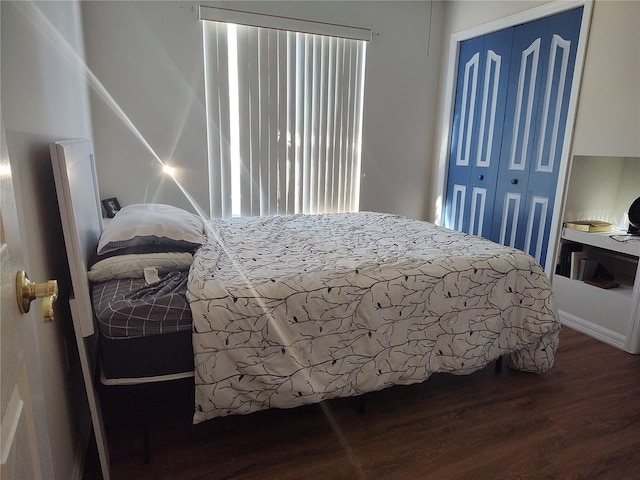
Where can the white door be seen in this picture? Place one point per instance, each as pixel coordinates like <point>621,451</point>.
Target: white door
<point>24,441</point>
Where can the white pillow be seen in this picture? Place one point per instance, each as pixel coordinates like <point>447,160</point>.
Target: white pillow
<point>132,266</point>
<point>152,224</point>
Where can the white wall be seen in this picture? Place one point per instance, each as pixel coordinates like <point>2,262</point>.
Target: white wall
<point>44,98</point>
<point>148,55</point>
<point>608,118</point>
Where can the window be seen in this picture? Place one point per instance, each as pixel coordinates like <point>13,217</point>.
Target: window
<point>284,114</point>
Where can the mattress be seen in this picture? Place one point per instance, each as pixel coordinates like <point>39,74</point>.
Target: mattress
<point>144,330</point>
<point>129,308</point>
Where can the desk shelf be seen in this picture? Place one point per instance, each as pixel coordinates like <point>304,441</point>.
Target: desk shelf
<point>615,241</point>
<point>607,314</point>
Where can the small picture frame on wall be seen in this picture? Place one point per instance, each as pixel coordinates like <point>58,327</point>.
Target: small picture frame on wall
<point>111,206</point>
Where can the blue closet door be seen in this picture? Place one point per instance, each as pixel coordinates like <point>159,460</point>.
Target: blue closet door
<point>481,92</point>
<point>510,114</point>
<point>542,65</point>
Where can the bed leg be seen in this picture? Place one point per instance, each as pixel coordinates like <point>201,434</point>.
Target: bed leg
<point>498,366</point>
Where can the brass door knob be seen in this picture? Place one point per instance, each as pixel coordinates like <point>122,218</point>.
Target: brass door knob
<point>27,291</point>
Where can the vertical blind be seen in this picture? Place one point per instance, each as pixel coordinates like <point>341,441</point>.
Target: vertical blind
<point>284,115</point>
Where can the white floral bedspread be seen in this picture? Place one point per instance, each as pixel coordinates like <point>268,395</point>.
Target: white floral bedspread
<point>300,309</point>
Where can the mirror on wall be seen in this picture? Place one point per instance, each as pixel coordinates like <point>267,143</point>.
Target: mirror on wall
<point>602,188</point>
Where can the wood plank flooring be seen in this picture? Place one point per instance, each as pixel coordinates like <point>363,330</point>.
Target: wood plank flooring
<point>581,420</point>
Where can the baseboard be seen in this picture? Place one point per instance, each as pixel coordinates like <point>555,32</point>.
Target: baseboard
<point>596,331</point>
<point>84,442</point>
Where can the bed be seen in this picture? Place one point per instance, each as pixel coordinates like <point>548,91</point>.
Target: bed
<point>300,309</point>
<point>276,312</point>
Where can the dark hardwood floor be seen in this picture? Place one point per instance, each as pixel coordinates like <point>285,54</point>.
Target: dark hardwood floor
<point>581,420</point>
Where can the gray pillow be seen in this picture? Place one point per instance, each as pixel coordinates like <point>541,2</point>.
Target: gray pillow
<point>152,224</point>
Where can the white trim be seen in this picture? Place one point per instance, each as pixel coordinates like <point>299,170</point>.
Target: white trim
<point>478,193</point>
<point>525,16</point>
<point>140,380</point>
<point>458,191</point>
<point>556,44</point>
<point>283,23</point>
<point>632,344</point>
<point>591,329</point>
<point>449,95</point>
<point>543,202</point>
<point>466,118</point>
<point>508,199</point>
<point>532,52</point>
<point>495,60</point>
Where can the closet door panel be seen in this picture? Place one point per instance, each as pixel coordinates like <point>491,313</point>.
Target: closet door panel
<point>481,92</point>
<point>492,105</point>
<point>559,45</point>
<point>539,88</point>
<point>518,134</point>
<point>457,204</point>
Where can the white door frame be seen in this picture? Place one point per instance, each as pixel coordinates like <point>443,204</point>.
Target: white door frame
<point>449,96</point>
